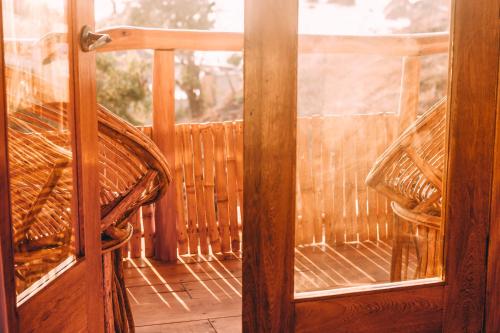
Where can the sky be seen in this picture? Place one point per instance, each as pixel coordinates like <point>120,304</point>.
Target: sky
<point>366,17</point>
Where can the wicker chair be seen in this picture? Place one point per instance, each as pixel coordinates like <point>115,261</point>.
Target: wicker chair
<point>132,173</point>
<point>410,173</point>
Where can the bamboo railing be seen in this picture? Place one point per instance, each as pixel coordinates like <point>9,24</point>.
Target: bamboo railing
<point>335,205</point>
<point>205,207</point>
<point>209,184</point>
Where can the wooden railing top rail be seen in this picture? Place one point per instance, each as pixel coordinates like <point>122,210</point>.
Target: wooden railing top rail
<point>130,38</point>
<point>134,38</point>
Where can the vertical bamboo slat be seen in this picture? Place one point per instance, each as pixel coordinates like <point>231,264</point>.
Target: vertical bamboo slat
<point>239,164</point>
<point>338,182</point>
<point>208,186</point>
<point>431,253</point>
<point>221,187</point>
<point>135,241</point>
<point>391,130</point>
<point>187,156</point>
<point>377,206</point>
<point>362,142</point>
<point>396,252</point>
<point>406,249</point>
<point>328,173</point>
<point>382,210</point>
<point>316,139</point>
<point>200,196</point>
<point>148,224</point>
<point>350,182</point>
<point>423,240</point>
<point>182,237</point>
<point>305,180</point>
<point>232,186</point>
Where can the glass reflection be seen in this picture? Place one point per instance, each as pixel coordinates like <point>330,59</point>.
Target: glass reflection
<point>370,142</point>
<point>40,149</point>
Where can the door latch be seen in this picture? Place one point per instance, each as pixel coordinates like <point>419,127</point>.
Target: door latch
<point>89,41</point>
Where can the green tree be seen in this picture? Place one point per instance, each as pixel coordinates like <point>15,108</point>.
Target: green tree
<point>172,14</point>
<point>122,86</point>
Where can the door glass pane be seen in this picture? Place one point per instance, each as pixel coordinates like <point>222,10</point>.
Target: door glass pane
<point>40,141</point>
<point>372,80</point>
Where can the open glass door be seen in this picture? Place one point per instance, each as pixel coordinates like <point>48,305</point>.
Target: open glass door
<point>51,131</point>
<point>370,144</point>
<point>368,165</point>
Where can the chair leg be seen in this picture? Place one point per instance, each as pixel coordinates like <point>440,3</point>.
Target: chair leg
<point>397,250</point>
<point>123,305</point>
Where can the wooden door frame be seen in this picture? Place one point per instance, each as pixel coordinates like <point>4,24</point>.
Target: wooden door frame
<point>269,126</point>
<point>89,269</point>
<point>492,319</point>
<point>85,101</point>
<point>471,147</point>
<point>8,315</point>
<point>458,303</point>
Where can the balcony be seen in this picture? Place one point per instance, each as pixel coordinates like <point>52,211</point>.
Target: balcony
<point>344,230</point>
<point>340,221</point>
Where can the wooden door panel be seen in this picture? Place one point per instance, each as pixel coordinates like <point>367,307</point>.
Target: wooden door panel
<point>454,305</point>
<point>493,279</point>
<point>71,301</point>
<point>59,307</point>
<point>408,310</point>
<point>82,13</point>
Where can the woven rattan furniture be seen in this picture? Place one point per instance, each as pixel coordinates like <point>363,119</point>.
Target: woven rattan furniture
<point>132,173</point>
<point>410,173</point>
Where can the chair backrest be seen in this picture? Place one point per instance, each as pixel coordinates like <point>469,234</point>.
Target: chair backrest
<point>132,170</point>
<point>410,171</point>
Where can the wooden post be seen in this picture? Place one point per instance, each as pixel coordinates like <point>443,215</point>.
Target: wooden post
<point>164,137</point>
<point>410,89</point>
<point>270,121</point>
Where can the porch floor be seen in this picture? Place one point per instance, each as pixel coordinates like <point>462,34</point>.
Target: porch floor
<point>204,295</point>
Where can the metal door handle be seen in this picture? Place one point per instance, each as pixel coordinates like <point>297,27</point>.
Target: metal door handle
<point>89,41</point>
